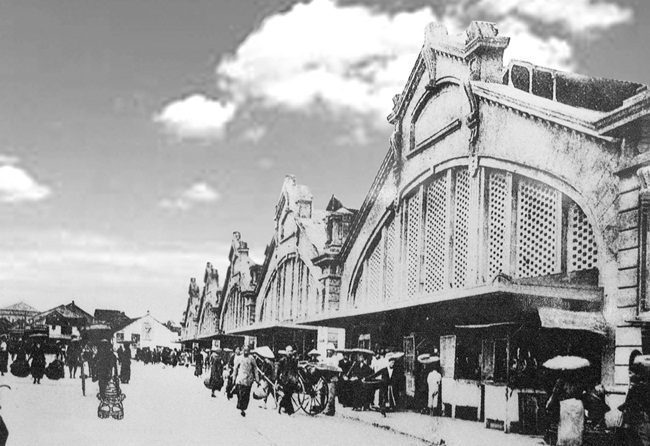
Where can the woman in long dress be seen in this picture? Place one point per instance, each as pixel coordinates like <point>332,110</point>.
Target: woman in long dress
<point>4,355</point>
<point>125,365</point>
<point>198,363</point>
<point>38,363</point>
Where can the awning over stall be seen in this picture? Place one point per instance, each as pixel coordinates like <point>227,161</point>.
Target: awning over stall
<point>256,329</point>
<point>573,320</point>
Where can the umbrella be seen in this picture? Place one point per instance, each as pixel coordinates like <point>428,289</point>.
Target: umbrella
<point>328,368</point>
<point>343,350</point>
<point>313,352</point>
<point>264,352</point>
<point>38,335</point>
<point>427,358</point>
<point>394,355</point>
<point>567,363</point>
<point>363,351</point>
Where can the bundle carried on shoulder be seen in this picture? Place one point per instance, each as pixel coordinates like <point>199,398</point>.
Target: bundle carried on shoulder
<point>20,368</point>
<point>55,370</point>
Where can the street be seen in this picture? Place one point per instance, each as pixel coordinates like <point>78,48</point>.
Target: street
<point>166,406</point>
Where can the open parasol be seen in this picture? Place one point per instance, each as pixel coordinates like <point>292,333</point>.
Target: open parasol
<point>363,351</point>
<point>38,335</point>
<point>394,355</point>
<point>427,358</point>
<point>328,368</point>
<point>567,363</point>
<point>264,352</point>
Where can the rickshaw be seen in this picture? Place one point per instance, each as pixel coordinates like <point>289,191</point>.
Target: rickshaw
<point>312,392</point>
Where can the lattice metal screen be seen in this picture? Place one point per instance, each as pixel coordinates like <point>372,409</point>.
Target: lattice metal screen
<point>538,208</point>
<point>390,261</point>
<point>436,245</point>
<point>375,271</point>
<point>414,217</point>
<point>461,227</point>
<point>497,188</point>
<point>581,248</point>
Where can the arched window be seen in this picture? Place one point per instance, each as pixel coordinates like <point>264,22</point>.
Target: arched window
<point>460,230</point>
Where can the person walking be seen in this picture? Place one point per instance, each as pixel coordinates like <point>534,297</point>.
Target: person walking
<point>198,363</point>
<point>38,363</point>
<point>105,365</point>
<point>245,374</point>
<point>216,372</point>
<point>73,357</point>
<point>288,379</point>
<point>434,379</point>
<point>331,361</point>
<point>390,379</point>
<point>125,364</point>
<point>230,387</point>
<point>4,355</point>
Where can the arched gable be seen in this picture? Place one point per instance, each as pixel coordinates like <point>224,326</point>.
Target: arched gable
<point>291,292</point>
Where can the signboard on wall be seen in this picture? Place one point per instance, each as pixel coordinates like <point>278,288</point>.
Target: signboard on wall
<point>410,385</point>
<point>409,364</point>
<point>147,330</point>
<point>216,343</point>
<point>448,355</point>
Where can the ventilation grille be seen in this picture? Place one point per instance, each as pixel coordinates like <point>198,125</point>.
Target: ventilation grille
<point>436,244</point>
<point>537,229</point>
<point>461,227</point>
<point>414,216</point>
<point>374,275</point>
<point>582,249</point>
<point>496,222</point>
<point>390,261</point>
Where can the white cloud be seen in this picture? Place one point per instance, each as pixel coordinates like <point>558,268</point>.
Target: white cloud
<point>576,15</point>
<point>352,59</point>
<point>344,57</point>
<point>197,193</point>
<point>551,52</point>
<point>196,117</point>
<point>16,185</point>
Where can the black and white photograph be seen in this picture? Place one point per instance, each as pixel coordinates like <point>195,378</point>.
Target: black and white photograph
<point>325,222</point>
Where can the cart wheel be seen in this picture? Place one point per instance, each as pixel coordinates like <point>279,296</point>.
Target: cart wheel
<point>313,398</point>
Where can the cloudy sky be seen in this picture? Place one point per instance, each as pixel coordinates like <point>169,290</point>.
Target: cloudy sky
<point>136,136</point>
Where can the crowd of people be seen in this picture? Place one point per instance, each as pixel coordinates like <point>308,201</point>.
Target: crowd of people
<point>358,378</point>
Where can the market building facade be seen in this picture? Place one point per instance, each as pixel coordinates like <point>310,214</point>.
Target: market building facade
<point>298,278</point>
<point>507,224</point>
